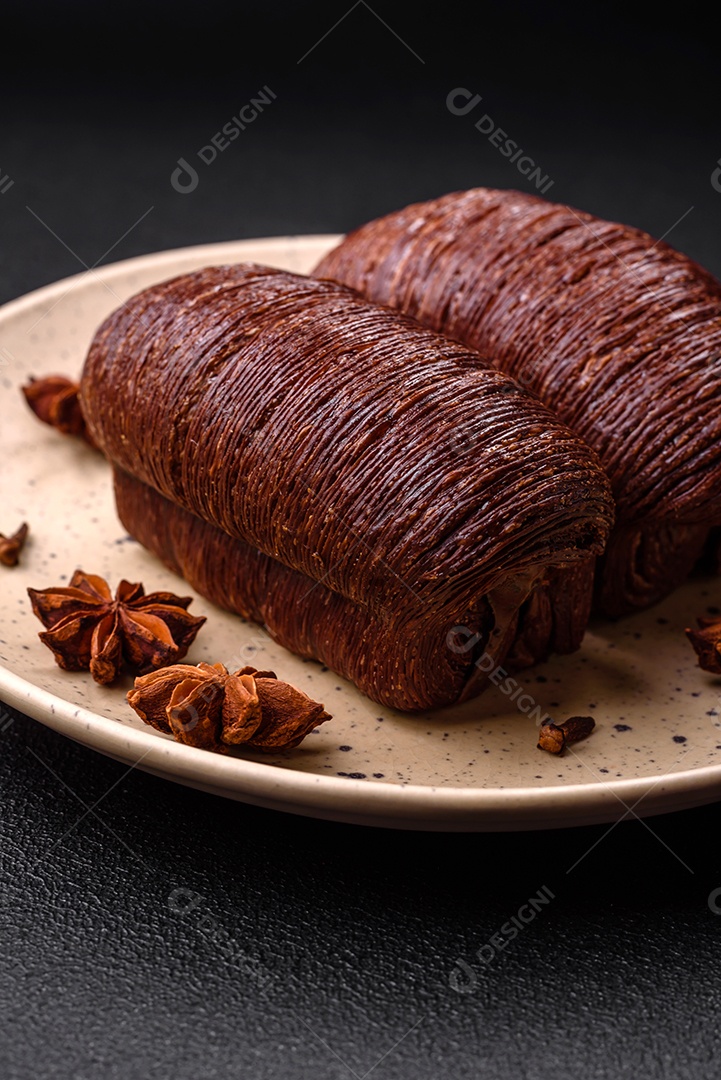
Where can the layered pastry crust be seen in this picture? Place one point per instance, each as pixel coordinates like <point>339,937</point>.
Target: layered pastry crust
<point>354,482</point>
<point>618,334</point>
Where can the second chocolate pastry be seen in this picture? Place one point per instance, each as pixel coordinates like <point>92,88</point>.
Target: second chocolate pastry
<point>616,332</point>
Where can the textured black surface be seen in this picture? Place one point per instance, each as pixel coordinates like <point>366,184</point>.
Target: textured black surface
<point>147,930</point>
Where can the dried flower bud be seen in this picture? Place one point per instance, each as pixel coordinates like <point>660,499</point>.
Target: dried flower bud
<point>555,737</point>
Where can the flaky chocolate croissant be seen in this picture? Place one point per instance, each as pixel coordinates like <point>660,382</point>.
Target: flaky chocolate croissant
<point>372,493</point>
<point>618,334</point>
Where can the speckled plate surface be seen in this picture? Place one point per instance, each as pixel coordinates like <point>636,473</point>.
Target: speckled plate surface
<point>657,745</point>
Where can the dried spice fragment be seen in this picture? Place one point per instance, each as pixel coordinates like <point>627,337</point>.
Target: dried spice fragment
<point>11,546</point>
<point>54,400</point>
<point>88,629</point>
<point>555,737</point>
<point>206,706</point>
<point>707,643</point>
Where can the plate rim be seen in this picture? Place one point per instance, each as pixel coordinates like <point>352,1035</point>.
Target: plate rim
<point>18,303</point>
<point>388,804</point>
<point>398,804</point>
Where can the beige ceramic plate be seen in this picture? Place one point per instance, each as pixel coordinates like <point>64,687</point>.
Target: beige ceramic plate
<point>657,745</point>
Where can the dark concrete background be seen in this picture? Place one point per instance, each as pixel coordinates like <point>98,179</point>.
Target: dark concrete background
<point>169,933</point>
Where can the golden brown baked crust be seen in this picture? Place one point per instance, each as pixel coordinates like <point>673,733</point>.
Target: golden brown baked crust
<point>618,333</point>
<point>364,485</point>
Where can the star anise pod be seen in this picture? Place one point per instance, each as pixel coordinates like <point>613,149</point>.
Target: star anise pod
<point>208,707</point>
<point>54,400</point>
<point>707,643</point>
<point>89,630</point>
<point>11,546</point>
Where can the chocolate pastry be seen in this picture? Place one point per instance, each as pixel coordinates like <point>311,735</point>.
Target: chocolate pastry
<point>618,334</point>
<point>375,495</point>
